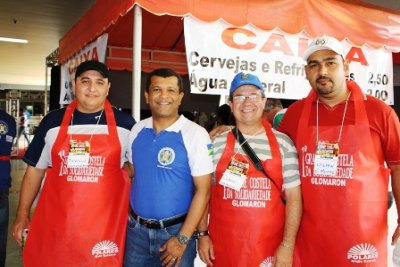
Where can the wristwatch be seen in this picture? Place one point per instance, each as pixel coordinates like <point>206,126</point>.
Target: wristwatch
<point>182,239</point>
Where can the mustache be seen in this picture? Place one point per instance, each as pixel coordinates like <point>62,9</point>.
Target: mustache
<point>323,78</point>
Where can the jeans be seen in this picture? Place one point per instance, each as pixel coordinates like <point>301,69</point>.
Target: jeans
<point>143,244</point>
<point>4,209</point>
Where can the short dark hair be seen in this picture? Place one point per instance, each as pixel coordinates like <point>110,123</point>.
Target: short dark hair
<point>272,103</point>
<point>164,72</point>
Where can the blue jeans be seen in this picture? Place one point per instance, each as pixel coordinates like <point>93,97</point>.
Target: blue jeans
<point>3,224</point>
<point>143,245</point>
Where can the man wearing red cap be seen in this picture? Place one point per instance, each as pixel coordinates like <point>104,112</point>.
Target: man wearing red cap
<point>344,138</point>
<point>249,223</point>
<point>82,210</point>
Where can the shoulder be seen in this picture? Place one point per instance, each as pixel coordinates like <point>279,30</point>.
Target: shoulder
<point>296,106</point>
<point>189,125</point>
<point>53,118</point>
<point>281,136</point>
<point>142,124</point>
<point>290,120</point>
<point>373,102</point>
<point>6,117</point>
<point>221,139</point>
<point>192,131</point>
<point>123,119</point>
<point>193,135</point>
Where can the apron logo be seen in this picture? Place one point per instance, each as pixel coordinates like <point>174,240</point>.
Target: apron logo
<point>3,127</point>
<point>267,262</point>
<point>166,156</point>
<point>362,253</point>
<point>105,249</point>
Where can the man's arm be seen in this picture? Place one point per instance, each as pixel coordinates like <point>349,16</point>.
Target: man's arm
<point>293,212</point>
<point>395,176</point>
<point>128,167</point>
<point>205,245</point>
<point>29,188</point>
<point>217,131</point>
<point>173,249</point>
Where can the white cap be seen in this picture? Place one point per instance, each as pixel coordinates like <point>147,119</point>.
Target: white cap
<point>324,43</point>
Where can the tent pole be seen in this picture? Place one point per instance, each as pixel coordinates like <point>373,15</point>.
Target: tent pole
<point>137,62</point>
<point>46,83</point>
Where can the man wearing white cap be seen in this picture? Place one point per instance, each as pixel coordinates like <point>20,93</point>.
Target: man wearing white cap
<point>249,225</point>
<point>343,138</point>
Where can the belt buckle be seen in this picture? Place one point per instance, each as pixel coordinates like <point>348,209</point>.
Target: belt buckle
<point>151,223</point>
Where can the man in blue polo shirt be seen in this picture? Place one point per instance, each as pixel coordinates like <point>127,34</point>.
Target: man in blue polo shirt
<point>172,176</point>
<point>8,130</point>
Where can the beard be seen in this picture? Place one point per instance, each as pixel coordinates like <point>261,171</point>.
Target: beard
<point>324,85</point>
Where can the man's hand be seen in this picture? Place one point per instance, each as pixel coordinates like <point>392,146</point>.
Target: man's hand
<point>206,250</point>
<point>172,252</point>
<point>395,235</point>
<point>217,131</point>
<point>19,225</point>
<point>283,256</point>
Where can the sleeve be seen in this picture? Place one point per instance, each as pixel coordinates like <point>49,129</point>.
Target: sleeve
<point>391,138</point>
<point>200,150</point>
<point>290,163</point>
<point>38,153</point>
<point>290,120</point>
<point>132,136</point>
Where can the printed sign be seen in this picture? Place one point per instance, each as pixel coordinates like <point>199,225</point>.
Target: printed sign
<point>217,51</point>
<point>95,50</point>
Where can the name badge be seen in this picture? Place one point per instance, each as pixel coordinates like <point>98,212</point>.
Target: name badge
<point>79,154</point>
<point>235,175</point>
<point>326,158</point>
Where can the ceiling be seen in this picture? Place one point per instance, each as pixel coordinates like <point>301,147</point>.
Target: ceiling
<point>43,23</point>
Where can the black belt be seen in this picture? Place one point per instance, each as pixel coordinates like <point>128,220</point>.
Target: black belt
<point>157,224</point>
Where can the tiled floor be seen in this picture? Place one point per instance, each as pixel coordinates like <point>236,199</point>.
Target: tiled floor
<point>14,252</point>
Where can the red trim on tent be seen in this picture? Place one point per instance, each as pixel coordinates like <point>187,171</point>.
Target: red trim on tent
<point>396,58</point>
<point>359,22</point>
<point>121,59</point>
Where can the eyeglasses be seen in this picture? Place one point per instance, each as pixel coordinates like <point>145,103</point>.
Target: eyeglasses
<point>251,98</point>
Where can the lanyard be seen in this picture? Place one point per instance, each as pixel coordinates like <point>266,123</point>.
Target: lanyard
<point>344,115</point>
<point>97,123</point>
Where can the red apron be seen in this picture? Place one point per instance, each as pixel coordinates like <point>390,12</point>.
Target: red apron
<point>81,223</point>
<point>246,230</point>
<point>344,223</point>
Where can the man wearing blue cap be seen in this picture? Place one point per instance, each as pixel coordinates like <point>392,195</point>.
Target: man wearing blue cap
<point>249,223</point>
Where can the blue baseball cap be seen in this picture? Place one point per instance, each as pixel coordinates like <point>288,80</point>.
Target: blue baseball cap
<point>245,78</point>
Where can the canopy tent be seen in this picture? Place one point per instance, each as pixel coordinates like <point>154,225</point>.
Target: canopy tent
<point>359,22</point>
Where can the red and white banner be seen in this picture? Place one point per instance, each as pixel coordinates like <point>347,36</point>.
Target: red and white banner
<point>95,50</point>
<point>217,51</point>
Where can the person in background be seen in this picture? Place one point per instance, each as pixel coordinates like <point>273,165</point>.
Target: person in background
<point>273,112</point>
<point>249,225</point>
<point>343,138</point>
<point>27,116</point>
<point>223,116</point>
<point>23,126</point>
<point>172,164</point>
<point>8,130</point>
<point>80,218</point>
